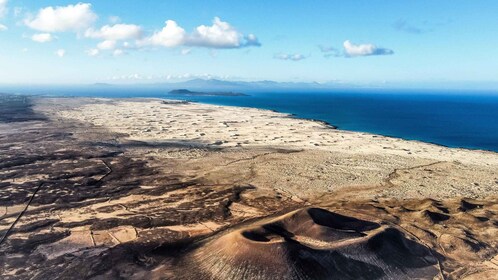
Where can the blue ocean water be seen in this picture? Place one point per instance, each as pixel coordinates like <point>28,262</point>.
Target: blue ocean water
<point>454,119</point>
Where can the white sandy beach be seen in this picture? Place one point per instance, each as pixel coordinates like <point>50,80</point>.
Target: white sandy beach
<point>329,159</point>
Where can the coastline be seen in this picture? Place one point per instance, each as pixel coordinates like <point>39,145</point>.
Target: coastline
<point>332,126</point>
<point>295,116</point>
<point>377,123</point>
<point>241,129</point>
<point>115,180</point>
<point>321,123</point>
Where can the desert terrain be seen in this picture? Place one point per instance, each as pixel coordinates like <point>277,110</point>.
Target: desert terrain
<point>153,189</point>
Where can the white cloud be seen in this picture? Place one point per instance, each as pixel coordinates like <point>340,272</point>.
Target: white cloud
<point>113,34</point>
<point>171,35</point>
<point>118,52</point>
<point>3,8</point>
<point>59,19</point>
<point>185,51</point>
<point>132,77</point>
<point>60,52</point>
<point>107,45</point>
<point>92,52</point>
<point>251,40</point>
<point>42,37</point>
<point>116,32</point>
<point>220,35</point>
<point>352,50</point>
<point>293,57</point>
<point>3,27</point>
<point>169,77</point>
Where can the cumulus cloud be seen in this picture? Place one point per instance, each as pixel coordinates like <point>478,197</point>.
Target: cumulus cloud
<point>131,77</point>
<point>353,50</point>
<point>219,35</point>
<point>62,18</point>
<point>112,35</point>
<point>60,53</point>
<point>42,37</point>
<point>293,57</point>
<point>118,52</point>
<point>107,45</point>
<point>3,8</point>
<point>3,12</point>
<point>169,77</point>
<point>172,35</point>
<point>92,52</point>
<point>251,40</point>
<point>116,32</point>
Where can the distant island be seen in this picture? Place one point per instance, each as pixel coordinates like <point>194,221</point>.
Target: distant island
<point>201,93</point>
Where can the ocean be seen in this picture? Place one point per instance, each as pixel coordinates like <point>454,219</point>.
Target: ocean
<point>455,119</point>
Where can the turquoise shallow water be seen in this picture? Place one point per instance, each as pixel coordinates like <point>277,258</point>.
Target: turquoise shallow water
<point>455,119</point>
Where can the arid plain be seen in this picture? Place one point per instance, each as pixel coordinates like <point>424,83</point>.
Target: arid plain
<point>147,188</point>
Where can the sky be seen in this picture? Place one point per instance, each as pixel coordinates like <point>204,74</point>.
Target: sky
<point>358,42</point>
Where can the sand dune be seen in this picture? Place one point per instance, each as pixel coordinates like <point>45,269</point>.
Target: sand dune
<point>143,189</point>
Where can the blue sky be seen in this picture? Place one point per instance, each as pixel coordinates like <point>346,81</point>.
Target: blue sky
<point>358,42</point>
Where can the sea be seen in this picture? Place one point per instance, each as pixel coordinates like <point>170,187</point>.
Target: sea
<point>452,118</point>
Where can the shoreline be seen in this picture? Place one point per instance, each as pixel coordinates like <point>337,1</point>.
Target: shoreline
<point>238,112</point>
<point>115,188</point>
<point>328,124</point>
<point>331,125</point>
<point>291,115</point>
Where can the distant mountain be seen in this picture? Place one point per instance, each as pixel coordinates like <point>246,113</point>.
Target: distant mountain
<point>204,93</point>
<point>102,85</point>
<point>207,85</point>
<point>214,85</point>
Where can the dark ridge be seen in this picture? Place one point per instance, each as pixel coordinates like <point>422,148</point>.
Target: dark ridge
<point>398,251</point>
<point>435,216</point>
<point>35,240</point>
<point>36,225</point>
<point>467,206</point>
<point>443,209</point>
<point>336,221</point>
<point>482,219</point>
<point>17,108</point>
<point>255,236</point>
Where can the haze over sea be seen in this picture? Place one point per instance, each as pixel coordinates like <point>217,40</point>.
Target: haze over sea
<point>467,119</point>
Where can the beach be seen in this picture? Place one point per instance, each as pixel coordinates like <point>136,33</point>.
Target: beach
<point>161,189</point>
